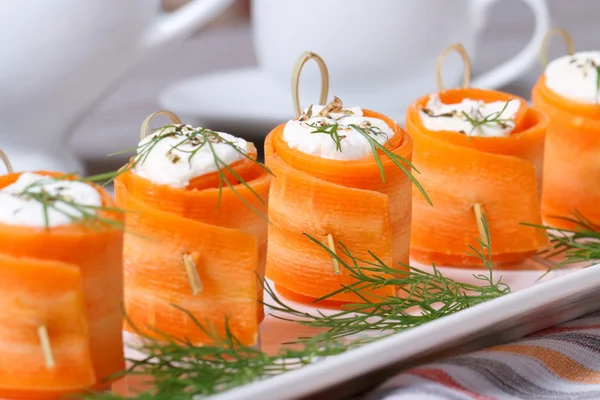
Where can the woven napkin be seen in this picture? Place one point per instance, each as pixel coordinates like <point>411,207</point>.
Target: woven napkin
<point>562,362</point>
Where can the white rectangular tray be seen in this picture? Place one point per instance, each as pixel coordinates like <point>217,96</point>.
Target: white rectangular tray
<point>531,307</point>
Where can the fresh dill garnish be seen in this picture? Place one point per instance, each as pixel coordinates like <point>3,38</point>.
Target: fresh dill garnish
<point>580,245</point>
<point>178,369</point>
<point>331,130</point>
<point>370,131</point>
<point>491,119</point>
<point>419,291</point>
<point>197,139</point>
<point>85,214</point>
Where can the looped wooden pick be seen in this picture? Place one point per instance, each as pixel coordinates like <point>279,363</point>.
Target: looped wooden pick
<point>6,161</point>
<point>334,261</point>
<point>467,63</point>
<point>479,213</point>
<point>44,339</point>
<point>146,124</point>
<point>296,79</point>
<point>192,273</point>
<point>544,47</point>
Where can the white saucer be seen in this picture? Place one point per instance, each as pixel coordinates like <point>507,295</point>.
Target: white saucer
<point>27,158</point>
<point>239,100</point>
<point>244,102</point>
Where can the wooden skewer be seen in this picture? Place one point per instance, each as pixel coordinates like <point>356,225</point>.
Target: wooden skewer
<point>334,261</point>
<point>46,347</point>
<point>544,47</point>
<point>6,161</point>
<point>307,55</point>
<point>440,63</point>
<point>479,213</point>
<point>146,124</point>
<point>192,273</point>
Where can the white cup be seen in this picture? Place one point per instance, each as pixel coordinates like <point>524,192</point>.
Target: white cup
<point>380,53</point>
<point>60,58</point>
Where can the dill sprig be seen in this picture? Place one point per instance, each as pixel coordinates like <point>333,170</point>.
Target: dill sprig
<point>177,369</point>
<point>180,370</point>
<point>420,292</point>
<point>198,139</point>
<point>84,214</point>
<point>597,67</point>
<point>572,246</point>
<point>491,119</point>
<point>331,130</point>
<point>369,132</point>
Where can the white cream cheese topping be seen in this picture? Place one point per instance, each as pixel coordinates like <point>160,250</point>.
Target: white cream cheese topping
<point>470,117</point>
<point>301,134</point>
<point>17,208</point>
<point>575,77</point>
<point>174,155</point>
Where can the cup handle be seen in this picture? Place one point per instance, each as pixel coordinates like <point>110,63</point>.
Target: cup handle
<point>184,21</point>
<point>516,66</point>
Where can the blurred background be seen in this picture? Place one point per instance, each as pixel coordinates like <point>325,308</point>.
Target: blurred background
<point>207,71</point>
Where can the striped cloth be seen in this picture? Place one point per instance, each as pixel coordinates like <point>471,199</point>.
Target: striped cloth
<point>558,363</point>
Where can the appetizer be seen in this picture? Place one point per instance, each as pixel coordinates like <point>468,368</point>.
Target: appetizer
<point>569,93</point>
<point>328,184</point>
<point>478,151</point>
<point>196,232</point>
<point>60,286</point>
<point>340,177</point>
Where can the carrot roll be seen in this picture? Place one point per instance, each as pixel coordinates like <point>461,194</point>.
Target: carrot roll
<point>196,233</point>
<point>479,152</point>
<point>334,180</point>
<point>569,93</point>
<point>60,286</point>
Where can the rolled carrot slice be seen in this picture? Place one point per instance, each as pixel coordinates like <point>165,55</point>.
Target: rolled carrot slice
<point>97,252</point>
<point>180,249</point>
<point>337,200</point>
<point>502,174</point>
<point>571,166</point>
<point>44,338</point>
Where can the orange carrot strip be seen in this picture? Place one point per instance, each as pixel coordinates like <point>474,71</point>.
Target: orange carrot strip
<point>226,246</point>
<point>572,165</point>
<point>346,199</point>
<point>500,173</point>
<point>47,296</point>
<point>97,251</point>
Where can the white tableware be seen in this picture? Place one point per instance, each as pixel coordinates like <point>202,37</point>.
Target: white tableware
<point>379,49</point>
<point>59,57</point>
<point>244,101</point>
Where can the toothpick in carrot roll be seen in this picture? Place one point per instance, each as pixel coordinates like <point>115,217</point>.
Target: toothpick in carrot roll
<point>60,286</point>
<point>341,175</point>
<point>569,93</point>
<point>196,232</point>
<point>478,152</point>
